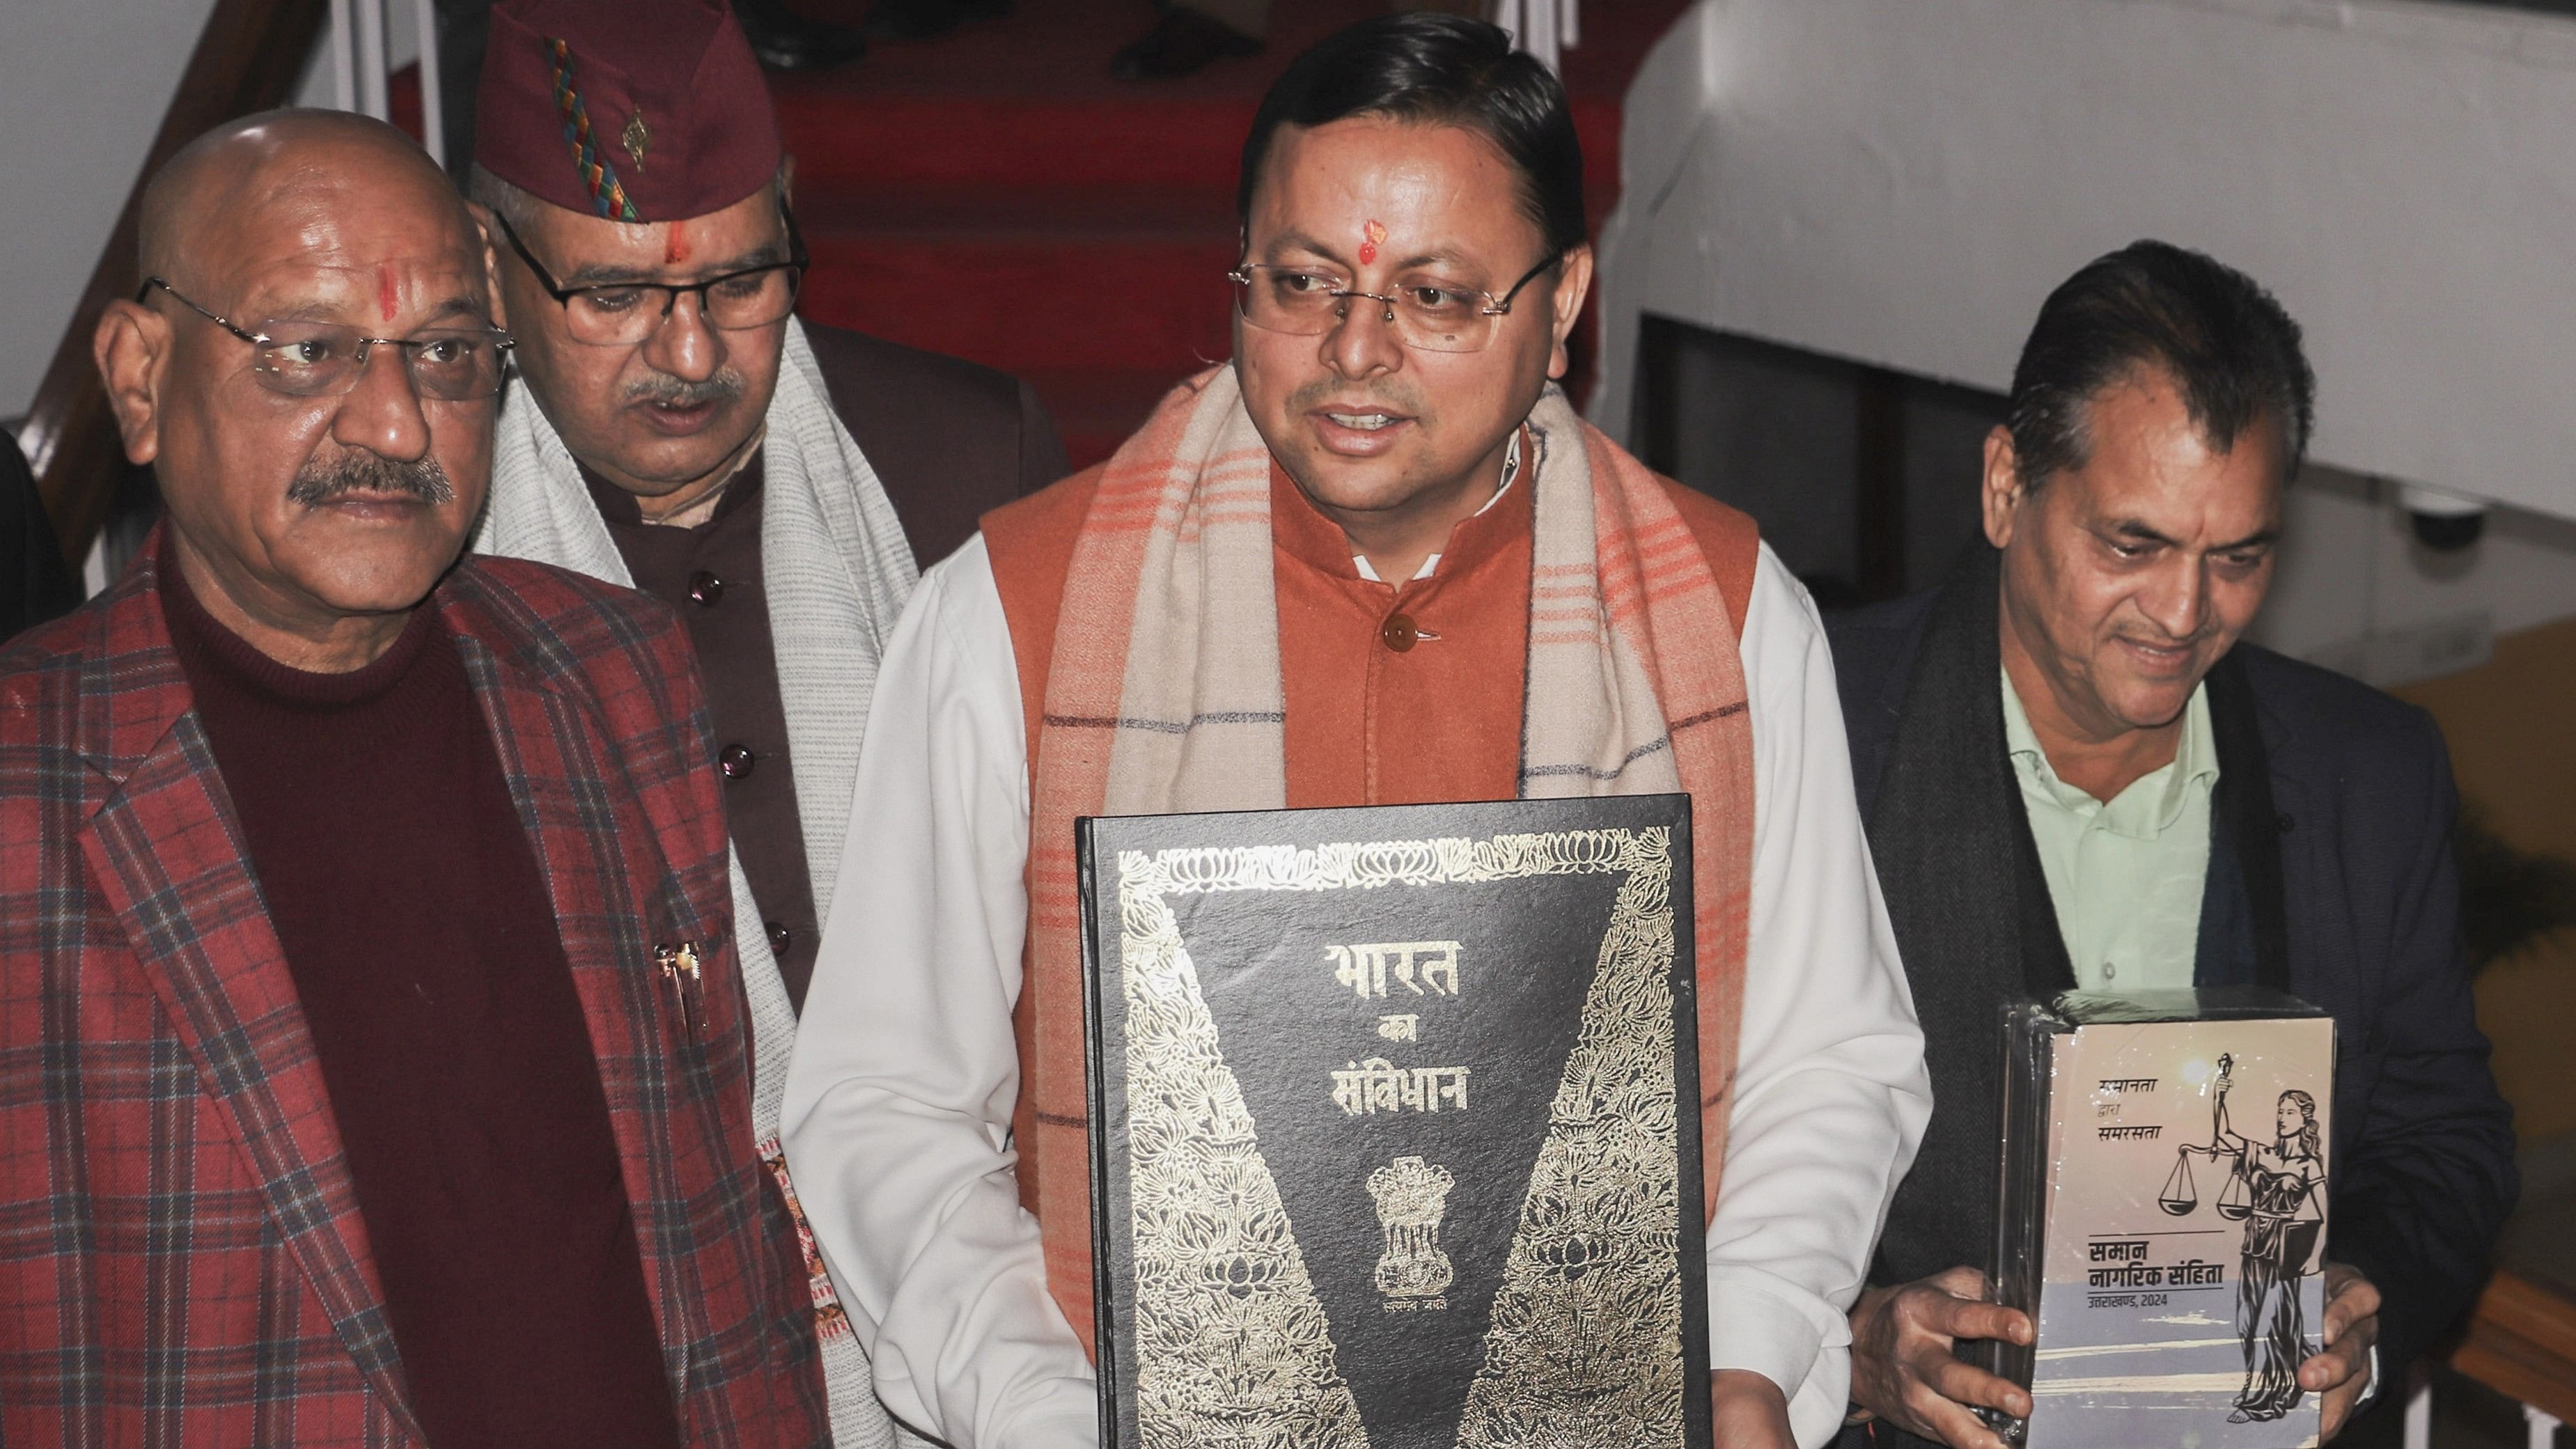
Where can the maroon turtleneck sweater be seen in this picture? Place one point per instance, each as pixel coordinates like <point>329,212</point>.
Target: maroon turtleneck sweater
<point>422,941</point>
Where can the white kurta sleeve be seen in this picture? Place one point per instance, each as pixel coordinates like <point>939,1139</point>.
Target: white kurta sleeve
<point>1830,1089</point>
<point>898,1105</point>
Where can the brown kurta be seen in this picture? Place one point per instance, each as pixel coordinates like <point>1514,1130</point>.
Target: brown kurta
<point>711,574</point>
<point>949,440</point>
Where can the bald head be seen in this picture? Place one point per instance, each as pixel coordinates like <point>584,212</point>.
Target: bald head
<point>318,478</point>
<point>267,170</point>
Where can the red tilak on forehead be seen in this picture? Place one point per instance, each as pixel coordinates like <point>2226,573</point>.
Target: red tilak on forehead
<point>675,249</point>
<point>385,290</point>
<point>1374,233</point>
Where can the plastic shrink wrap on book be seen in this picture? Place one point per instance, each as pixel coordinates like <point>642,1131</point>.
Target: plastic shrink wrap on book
<point>2162,1215</point>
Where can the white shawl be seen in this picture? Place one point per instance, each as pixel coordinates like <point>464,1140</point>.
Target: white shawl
<point>837,571</point>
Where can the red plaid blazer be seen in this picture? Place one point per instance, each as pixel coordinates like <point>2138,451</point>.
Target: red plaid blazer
<point>182,1260</point>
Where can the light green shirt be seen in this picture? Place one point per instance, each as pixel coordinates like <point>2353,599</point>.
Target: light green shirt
<point>2126,876</point>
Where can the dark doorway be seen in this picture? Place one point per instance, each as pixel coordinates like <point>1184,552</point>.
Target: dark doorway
<point>2554,7</point>
<point>1864,480</point>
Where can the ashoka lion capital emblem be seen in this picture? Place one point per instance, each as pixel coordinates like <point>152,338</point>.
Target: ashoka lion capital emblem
<point>1412,1197</point>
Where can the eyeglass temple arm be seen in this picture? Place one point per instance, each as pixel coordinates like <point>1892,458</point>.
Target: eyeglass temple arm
<point>143,297</point>
<point>1503,304</point>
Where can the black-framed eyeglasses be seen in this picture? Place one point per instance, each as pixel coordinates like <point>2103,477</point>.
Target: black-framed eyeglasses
<point>326,359</point>
<point>620,314</point>
<point>1306,301</point>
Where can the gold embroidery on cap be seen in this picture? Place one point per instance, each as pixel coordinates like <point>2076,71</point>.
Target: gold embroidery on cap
<point>637,138</point>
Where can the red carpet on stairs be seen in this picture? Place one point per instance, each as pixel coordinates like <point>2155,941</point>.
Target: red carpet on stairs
<point>994,195</point>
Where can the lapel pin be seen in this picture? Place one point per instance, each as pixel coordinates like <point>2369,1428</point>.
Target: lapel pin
<point>681,968</point>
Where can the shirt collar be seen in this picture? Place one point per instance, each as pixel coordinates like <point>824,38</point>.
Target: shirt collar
<point>1431,563</point>
<point>619,507</point>
<point>2152,803</point>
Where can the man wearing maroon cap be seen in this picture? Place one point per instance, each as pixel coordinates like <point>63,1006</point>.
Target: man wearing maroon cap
<point>675,428</point>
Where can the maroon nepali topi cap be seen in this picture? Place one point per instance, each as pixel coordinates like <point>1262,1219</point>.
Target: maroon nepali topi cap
<point>635,110</point>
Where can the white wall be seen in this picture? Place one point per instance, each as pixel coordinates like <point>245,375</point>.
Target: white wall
<point>2358,592</point>
<point>1902,181</point>
<point>83,85</point>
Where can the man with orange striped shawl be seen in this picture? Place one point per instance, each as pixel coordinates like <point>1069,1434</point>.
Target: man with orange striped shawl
<point>1377,559</point>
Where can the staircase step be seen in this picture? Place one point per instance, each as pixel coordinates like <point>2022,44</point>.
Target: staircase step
<point>876,143</point>
<point>995,196</point>
<point>1098,409</point>
<point>1087,215</point>
<point>1030,303</point>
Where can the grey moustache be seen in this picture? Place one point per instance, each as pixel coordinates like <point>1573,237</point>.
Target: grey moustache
<point>420,478</point>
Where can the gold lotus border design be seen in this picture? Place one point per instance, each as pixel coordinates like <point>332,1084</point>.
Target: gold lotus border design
<point>1232,1347</point>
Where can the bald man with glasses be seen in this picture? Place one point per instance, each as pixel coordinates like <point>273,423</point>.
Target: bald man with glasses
<point>374,1063</point>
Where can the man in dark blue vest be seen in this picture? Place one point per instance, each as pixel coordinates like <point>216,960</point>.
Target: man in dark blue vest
<point>2075,776</point>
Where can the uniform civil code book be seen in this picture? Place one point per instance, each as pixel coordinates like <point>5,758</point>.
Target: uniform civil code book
<point>2163,1207</point>
<point>1395,1128</point>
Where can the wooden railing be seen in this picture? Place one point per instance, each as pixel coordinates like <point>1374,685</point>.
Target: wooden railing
<point>247,59</point>
<point>2520,1339</point>
<point>2521,1342</point>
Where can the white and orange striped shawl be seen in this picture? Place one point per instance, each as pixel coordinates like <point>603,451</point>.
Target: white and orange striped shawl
<point>1164,694</point>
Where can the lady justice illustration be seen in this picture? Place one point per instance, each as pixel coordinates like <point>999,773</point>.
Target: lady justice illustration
<point>2278,1191</point>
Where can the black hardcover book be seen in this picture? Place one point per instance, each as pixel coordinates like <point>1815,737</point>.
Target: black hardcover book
<point>1395,1131</point>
